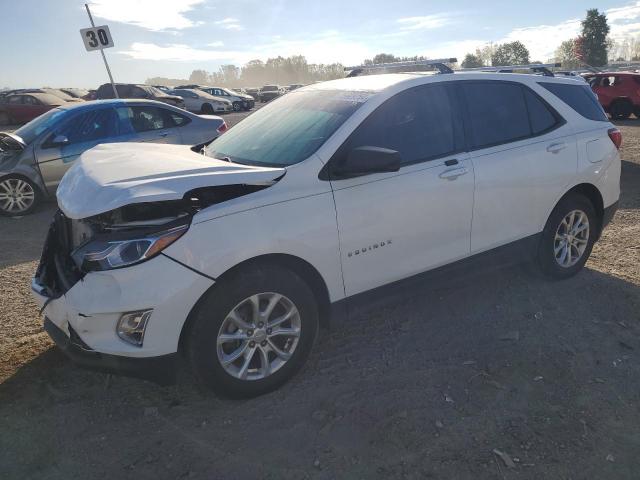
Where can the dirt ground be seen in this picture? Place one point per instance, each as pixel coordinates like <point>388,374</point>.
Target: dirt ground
<point>427,386</point>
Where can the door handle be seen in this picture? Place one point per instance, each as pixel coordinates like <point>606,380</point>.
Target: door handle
<point>453,173</point>
<point>556,147</point>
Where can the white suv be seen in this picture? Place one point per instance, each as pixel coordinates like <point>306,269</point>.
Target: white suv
<point>315,202</point>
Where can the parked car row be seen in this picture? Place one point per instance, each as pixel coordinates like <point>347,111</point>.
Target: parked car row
<point>34,158</point>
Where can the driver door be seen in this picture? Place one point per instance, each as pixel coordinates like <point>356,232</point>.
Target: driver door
<point>395,225</point>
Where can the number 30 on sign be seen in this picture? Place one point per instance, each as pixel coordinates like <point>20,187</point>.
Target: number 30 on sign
<point>96,38</point>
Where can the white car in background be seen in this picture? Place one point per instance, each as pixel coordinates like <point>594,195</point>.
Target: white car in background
<point>198,101</point>
<point>313,204</point>
<point>240,101</point>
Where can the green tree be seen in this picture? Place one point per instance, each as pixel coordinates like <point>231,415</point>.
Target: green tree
<point>513,53</point>
<point>567,54</point>
<point>384,58</point>
<point>595,30</point>
<point>471,61</point>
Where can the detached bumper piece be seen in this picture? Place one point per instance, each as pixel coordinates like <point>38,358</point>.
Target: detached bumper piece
<point>161,370</point>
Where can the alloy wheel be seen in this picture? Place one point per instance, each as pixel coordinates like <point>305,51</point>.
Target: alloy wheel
<point>258,336</point>
<point>571,239</point>
<point>16,195</point>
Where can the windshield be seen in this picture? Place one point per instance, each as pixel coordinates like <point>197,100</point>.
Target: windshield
<point>32,130</point>
<point>287,130</point>
<point>269,88</point>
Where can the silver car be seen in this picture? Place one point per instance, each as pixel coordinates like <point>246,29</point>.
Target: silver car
<point>202,102</point>
<point>35,157</point>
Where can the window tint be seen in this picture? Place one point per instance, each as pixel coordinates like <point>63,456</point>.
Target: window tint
<point>15,100</point>
<point>579,97</point>
<point>144,119</point>
<point>137,92</point>
<point>419,123</point>
<point>497,112</point>
<point>89,126</point>
<point>177,119</point>
<point>542,119</point>
<point>30,101</point>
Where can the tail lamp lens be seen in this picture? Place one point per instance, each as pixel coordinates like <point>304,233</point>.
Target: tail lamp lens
<point>616,137</point>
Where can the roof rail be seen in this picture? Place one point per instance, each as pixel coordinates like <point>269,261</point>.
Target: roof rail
<point>439,64</point>
<point>543,68</point>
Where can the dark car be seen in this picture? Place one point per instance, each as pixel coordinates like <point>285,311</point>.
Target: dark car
<point>269,92</point>
<point>132,90</point>
<point>24,107</point>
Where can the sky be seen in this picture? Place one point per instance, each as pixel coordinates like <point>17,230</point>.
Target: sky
<point>42,44</point>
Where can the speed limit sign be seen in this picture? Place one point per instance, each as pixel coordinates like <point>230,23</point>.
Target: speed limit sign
<point>96,38</point>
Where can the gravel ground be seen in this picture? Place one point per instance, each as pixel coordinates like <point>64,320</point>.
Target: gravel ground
<point>430,385</point>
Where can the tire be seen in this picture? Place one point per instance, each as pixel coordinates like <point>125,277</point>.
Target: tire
<point>206,109</point>
<point>637,112</point>
<point>580,244</point>
<point>237,106</point>
<point>621,109</point>
<point>18,196</point>
<point>243,378</point>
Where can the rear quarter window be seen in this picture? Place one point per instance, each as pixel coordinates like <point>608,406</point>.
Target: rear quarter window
<point>579,97</point>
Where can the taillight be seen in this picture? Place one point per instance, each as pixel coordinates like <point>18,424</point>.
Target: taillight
<point>616,137</point>
<point>223,128</point>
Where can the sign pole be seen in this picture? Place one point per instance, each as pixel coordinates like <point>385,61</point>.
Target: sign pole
<point>113,85</point>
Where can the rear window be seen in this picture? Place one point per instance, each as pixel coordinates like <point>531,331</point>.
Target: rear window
<point>578,97</point>
<point>497,112</point>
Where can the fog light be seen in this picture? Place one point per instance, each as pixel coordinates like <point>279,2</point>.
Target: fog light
<point>132,325</point>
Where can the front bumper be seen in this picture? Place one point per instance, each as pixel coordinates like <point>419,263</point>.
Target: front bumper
<point>249,104</point>
<point>161,369</point>
<point>86,308</point>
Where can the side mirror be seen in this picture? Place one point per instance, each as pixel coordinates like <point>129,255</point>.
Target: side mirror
<point>59,140</point>
<point>367,160</point>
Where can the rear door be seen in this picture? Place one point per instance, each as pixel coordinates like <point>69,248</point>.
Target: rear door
<point>17,109</point>
<point>82,132</point>
<point>394,225</point>
<point>523,154</point>
<point>147,123</point>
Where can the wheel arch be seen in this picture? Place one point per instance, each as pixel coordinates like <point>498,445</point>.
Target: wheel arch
<point>592,192</point>
<point>299,266</point>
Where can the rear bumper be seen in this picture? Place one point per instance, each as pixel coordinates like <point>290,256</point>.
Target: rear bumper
<point>160,369</point>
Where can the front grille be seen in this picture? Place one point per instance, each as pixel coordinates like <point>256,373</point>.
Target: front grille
<point>57,272</point>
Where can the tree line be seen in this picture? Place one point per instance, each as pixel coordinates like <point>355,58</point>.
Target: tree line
<point>592,47</point>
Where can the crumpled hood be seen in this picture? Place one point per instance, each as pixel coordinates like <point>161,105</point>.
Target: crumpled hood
<point>113,175</point>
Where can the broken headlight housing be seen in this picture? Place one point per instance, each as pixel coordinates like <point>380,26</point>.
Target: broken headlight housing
<point>109,253</point>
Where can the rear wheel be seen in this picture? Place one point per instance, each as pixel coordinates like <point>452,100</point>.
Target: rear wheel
<point>206,109</point>
<point>568,237</point>
<point>253,332</point>
<point>18,196</point>
<point>621,109</point>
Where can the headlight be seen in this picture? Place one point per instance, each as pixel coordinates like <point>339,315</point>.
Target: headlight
<point>109,254</point>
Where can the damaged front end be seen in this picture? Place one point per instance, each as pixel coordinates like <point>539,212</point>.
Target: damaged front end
<point>121,237</point>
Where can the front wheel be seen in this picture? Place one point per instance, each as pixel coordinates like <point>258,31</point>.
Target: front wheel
<point>568,237</point>
<point>206,109</point>
<point>253,332</point>
<point>18,196</point>
<point>237,106</point>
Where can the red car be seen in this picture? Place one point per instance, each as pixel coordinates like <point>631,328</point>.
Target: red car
<point>24,107</point>
<point>618,92</point>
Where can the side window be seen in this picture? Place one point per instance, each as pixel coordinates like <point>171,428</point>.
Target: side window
<point>144,119</point>
<point>497,112</point>
<point>579,97</point>
<point>90,126</point>
<point>542,118</point>
<point>419,123</point>
<point>15,100</point>
<point>177,119</point>
<point>137,92</point>
<point>28,100</point>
